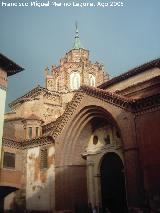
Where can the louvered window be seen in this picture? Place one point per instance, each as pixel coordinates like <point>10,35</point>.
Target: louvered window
<point>44,159</point>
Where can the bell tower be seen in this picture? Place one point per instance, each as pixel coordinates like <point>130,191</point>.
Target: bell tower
<point>75,69</point>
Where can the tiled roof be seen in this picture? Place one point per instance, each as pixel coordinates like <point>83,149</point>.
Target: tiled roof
<point>34,92</point>
<point>11,142</point>
<point>53,129</point>
<point>150,65</point>
<point>109,97</point>
<point>9,66</point>
<point>132,105</point>
<point>154,81</point>
<point>33,117</point>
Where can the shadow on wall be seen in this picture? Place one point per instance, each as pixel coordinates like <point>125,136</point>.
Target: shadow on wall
<point>18,202</point>
<point>42,197</point>
<point>71,189</point>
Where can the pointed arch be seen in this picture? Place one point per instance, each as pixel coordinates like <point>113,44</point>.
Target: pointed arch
<point>71,142</point>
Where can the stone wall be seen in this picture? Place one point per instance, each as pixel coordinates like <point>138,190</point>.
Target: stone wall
<point>3,85</point>
<point>40,182</point>
<point>147,127</point>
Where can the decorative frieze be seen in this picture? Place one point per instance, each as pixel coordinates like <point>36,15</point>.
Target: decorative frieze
<point>26,144</point>
<point>55,128</point>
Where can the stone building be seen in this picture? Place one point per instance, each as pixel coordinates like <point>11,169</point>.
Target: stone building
<point>84,139</point>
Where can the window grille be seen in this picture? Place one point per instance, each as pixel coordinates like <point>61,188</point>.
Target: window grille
<point>8,160</point>
<point>44,159</point>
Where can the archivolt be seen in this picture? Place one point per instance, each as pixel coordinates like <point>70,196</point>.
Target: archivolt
<point>81,119</point>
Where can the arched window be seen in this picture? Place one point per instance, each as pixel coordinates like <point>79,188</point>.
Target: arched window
<point>75,80</point>
<point>30,132</point>
<point>37,131</point>
<point>92,80</point>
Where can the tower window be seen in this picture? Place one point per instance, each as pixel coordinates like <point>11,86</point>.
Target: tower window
<point>75,80</point>
<point>92,80</point>
<point>30,132</point>
<point>9,160</point>
<point>44,159</point>
<point>37,131</point>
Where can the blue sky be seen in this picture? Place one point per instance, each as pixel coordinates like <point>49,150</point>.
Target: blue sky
<point>119,37</point>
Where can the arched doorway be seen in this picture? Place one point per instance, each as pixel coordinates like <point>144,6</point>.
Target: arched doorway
<point>113,184</point>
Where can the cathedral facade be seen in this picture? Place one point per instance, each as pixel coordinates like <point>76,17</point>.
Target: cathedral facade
<point>84,139</point>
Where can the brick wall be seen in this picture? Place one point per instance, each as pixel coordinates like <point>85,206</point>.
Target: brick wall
<point>148,139</point>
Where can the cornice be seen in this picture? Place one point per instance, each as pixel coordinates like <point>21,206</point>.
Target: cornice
<point>56,126</point>
<point>53,129</point>
<point>26,144</point>
<point>147,104</point>
<point>134,106</point>
<point>14,119</point>
<point>112,98</point>
<point>41,141</point>
<point>150,83</point>
<point>150,65</point>
<point>7,142</point>
<point>32,94</point>
<point>9,66</point>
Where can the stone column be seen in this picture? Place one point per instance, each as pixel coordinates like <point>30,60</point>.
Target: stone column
<point>97,183</point>
<point>90,182</point>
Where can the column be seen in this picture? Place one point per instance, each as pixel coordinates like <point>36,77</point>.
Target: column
<point>90,182</point>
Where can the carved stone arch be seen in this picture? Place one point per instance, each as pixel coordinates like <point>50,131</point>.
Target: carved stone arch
<point>76,127</point>
<point>78,122</point>
<point>68,148</point>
